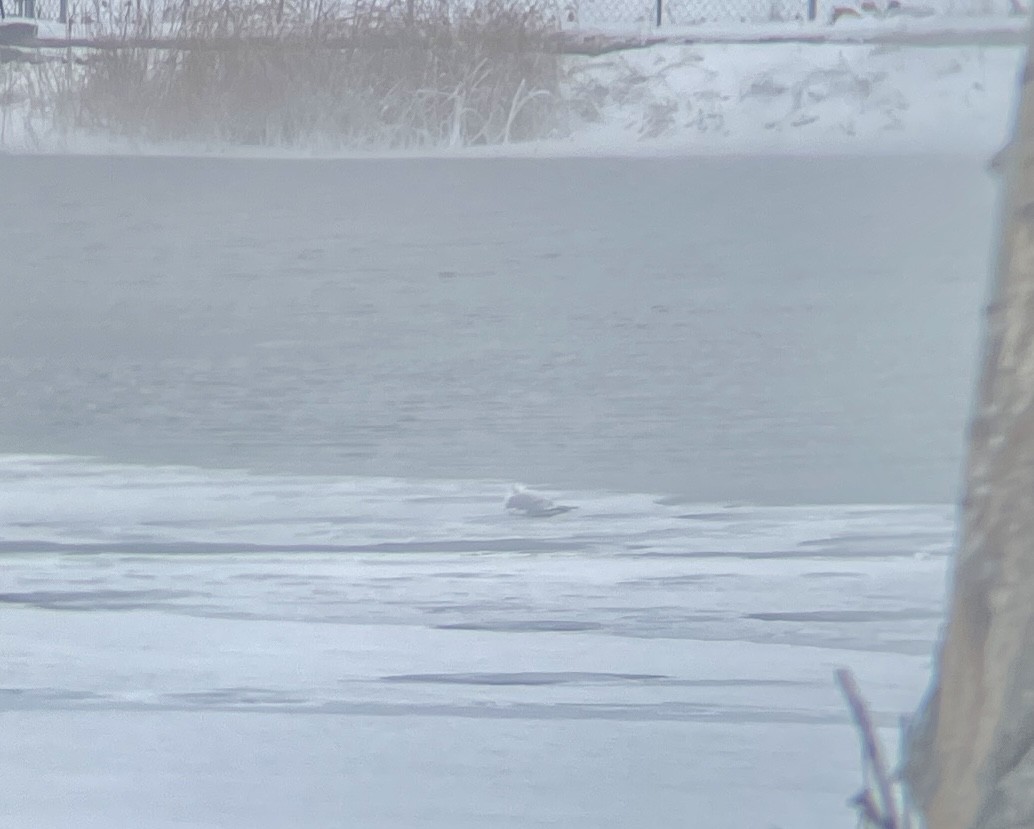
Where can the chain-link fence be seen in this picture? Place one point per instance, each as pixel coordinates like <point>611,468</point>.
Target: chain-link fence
<point>37,9</point>
<point>623,13</point>
<point>688,12</point>
<point>661,13</point>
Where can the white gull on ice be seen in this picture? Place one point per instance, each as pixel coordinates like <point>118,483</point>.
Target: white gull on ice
<point>535,506</point>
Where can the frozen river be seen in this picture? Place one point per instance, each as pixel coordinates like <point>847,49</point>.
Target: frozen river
<point>260,419</point>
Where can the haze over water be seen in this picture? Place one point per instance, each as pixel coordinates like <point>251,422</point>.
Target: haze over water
<point>770,329</point>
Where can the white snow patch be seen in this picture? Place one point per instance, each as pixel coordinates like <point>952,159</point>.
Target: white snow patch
<point>796,99</point>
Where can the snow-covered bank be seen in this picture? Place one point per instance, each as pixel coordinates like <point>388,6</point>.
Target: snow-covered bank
<point>795,98</point>
<point>778,98</point>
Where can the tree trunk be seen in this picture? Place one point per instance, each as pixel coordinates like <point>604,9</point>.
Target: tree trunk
<point>970,758</point>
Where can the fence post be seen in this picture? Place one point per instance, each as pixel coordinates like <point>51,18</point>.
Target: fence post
<point>813,9</point>
<point>660,9</point>
<point>62,14</point>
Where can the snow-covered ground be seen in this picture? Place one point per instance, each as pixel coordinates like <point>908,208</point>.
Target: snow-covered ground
<point>183,647</point>
<point>797,98</point>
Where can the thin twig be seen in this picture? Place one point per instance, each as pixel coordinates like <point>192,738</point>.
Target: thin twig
<point>871,746</point>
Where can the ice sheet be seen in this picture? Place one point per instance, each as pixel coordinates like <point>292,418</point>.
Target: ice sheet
<point>183,647</point>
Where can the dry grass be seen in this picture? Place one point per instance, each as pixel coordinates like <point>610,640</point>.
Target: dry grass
<point>401,75</point>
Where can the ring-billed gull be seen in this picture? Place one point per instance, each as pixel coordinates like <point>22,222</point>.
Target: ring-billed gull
<point>532,505</point>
